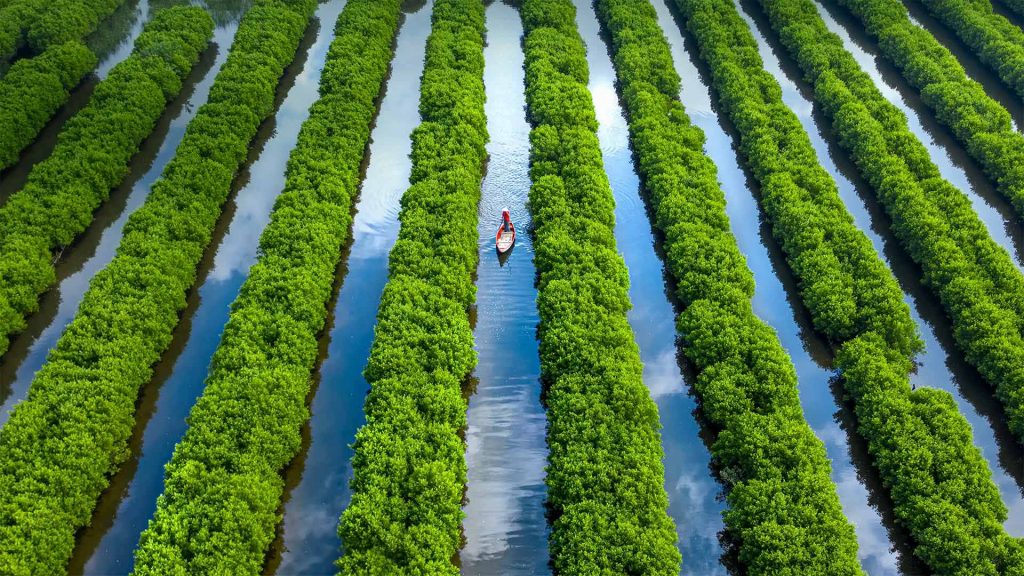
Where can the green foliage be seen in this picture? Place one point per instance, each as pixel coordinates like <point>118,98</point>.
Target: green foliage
<point>91,158</point>
<point>980,123</point>
<point>33,90</point>
<point>997,42</point>
<point>61,444</point>
<point>784,514</point>
<point>223,486</point>
<point>940,484</point>
<point>42,24</point>
<point>605,475</point>
<point>409,467</point>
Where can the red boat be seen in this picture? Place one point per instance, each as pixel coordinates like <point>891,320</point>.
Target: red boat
<point>506,236</point>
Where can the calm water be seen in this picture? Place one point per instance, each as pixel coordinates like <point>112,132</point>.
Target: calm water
<point>695,502</point>
<point>96,247</point>
<point>107,546</point>
<point>953,162</point>
<point>318,480</point>
<point>506,531</point>
<point>112,43</point>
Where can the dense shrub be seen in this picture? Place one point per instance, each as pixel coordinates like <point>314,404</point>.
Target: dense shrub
<point>980,123</point>
<point>223,486</point>
<point>41,24</point>
<point>409,467</point>
<point>91,158</point>
<point>33,90</point>
<point>60,445</point>
<point>784,513</point>
<point>605,475</point>
<point>923,449</point>
<point>996,41</point>
<point>1015,6</point>
<point>899,425</point>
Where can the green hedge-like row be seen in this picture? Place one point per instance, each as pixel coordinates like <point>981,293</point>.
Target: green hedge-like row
<point>91,158</point>
<point>973,277</point>
<point>784,513</point>
<point>409,466</point>
<point>33,90</point>
<point>920,443</point>
<point>41,24</point>
<point>223,486</point>
<point>605,475</point>
<point>995,40</point>
<point>980,123</point>
<point>60,445</point>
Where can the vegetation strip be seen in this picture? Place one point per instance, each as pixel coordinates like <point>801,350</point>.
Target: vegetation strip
<point>997,42</point>
<point>980,123</point>
<point>605,475</point>
<point>973,277</point>
<point>61,445</point>
<point>42,24</point>
<point>776,471</point>
<point>91,158</point>
<point>33,90</point>
<point>862,311</point>
<point>223,486</point>
<point>1015,6</point>
<point>410,472</point>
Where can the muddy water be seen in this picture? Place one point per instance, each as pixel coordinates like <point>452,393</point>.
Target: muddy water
<point>124,510</point>
<point>882,549</point>
<point>318,480</point>
<point>941,365</point>
<point>953,162</point>
<point>695,502</point>
<point>505,528</point>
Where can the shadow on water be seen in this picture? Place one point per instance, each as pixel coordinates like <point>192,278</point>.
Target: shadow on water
<point>941,364</point>
<point>95,248</point>
<point>952,160</point>
<point>317,481</point>
<point>975,68</point>
<point>696,501</point>
<point>107,545</point>
<point>883,547</point>
<point>505,527</point>
<point>112,43</point>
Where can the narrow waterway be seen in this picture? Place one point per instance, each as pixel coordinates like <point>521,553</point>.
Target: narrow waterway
<point>505,526</point>
<point>107,546</point>
<point>952,160</point>
<point>941,364</point>
<point>96,247</point>
<point>317,482</point>
<point>695,497</point>
<point>976,70</point>
<point>112,43</point>
<point>883,548</point>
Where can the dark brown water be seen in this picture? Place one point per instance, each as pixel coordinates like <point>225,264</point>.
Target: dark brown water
<point>107,546</point>
<point>505,528</point>
<point>318,480</point>
<point>941,365</point>
<point>952,160</point>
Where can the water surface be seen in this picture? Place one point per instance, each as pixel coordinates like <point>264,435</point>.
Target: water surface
<point>505,526</point>
<point>107,546</point>
<point>318,480</point>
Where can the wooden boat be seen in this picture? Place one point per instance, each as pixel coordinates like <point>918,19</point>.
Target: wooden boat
<point>506,235</point>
